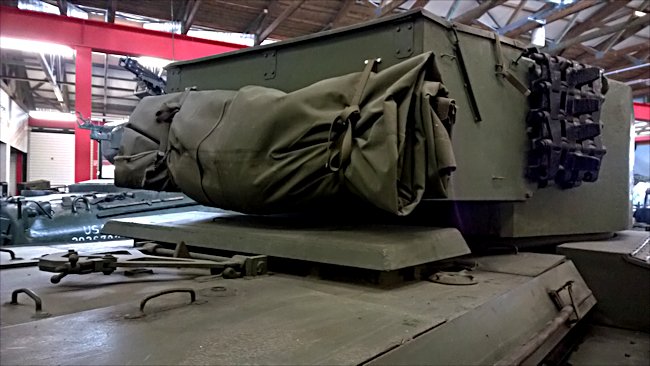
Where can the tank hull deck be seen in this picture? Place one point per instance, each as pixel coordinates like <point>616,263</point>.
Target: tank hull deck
<point>287,319</point>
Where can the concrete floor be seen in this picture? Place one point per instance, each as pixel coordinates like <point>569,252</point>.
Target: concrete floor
<point>612,346</point>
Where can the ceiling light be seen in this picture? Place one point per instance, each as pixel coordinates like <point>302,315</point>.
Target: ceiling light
<point>53,116</point>
<point>538,37</point>
<point>638,13</point>
<point>152,62</point>
<point>172,27</point>
<point>117,122</point>
<point>644,133</point>
<point>35,46</point>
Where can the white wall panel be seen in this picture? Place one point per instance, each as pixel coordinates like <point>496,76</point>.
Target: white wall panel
<point>51,157</point>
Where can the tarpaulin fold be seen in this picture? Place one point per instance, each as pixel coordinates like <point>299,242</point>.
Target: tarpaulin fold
<point>382,136</point>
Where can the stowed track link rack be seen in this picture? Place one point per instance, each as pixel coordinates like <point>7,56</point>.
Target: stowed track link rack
<point>564,125</point>
<point>72,262</point>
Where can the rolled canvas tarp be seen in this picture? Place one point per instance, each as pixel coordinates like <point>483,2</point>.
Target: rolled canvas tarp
<point>382,136</point>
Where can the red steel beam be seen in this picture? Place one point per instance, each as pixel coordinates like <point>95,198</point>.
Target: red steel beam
<point>106,37</point>
<point>46,123</point>
<point>83,104</point>
<point>19,170</point>
<point>641,111</point>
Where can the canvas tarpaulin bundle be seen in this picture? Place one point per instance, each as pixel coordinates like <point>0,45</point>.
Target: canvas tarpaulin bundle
<point>382,136</point>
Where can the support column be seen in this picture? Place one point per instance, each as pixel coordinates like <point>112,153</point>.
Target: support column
<point>5,163</point>
<point>84,159</point>
<point>20,163</point>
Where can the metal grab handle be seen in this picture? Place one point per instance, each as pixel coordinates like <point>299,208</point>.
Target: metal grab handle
<point>84,199</point>
<point>165,292</point>
<point>11,253</point>
<point>30,293</point>
<point>557,300</point>
<point>36,298</point>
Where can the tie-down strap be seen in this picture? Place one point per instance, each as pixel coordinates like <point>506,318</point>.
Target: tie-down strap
<point>502,70</point>
<point>166,114</point>
<point>340,135</point>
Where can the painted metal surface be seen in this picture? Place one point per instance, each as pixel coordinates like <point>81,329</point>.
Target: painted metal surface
<point>527,264</point>
<point>370,246</point>
<point>279,319</point>
<point>34,122</point>
<point>603,206</point>
<point>499,327</point>
<point>621,286</point>
<point>612,346</point>
<point>84,159</point>
<point>642,111</point>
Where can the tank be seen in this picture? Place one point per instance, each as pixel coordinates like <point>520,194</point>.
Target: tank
<point>515,173</point>
<point>522,148</point>
<point>79,216</point>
